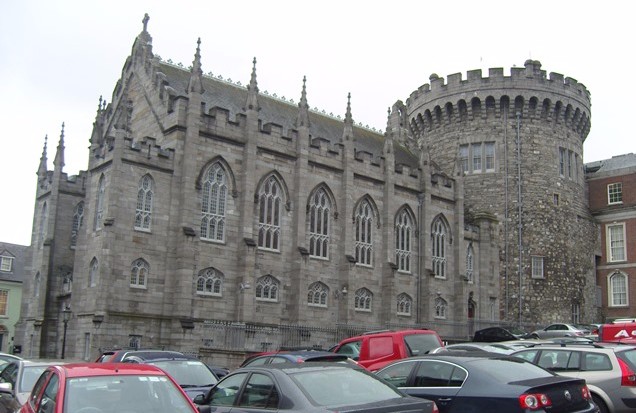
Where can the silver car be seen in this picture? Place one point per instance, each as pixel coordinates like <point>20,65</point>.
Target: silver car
<point>20,376</point>
<point>609,370</point>
<point>559,330</point>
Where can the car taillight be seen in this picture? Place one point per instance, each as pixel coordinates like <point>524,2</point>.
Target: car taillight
<point>435,409</point>
<point>628,378</point>
<point>534,401</point>
<point>586,393</point>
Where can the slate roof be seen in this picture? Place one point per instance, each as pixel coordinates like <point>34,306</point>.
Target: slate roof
<point>615,163</point>
<point>231,97</point>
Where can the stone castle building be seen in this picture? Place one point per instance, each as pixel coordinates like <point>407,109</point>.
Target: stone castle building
<point>217,219</point>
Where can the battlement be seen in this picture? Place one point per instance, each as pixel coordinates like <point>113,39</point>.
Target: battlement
<point>529,77</point>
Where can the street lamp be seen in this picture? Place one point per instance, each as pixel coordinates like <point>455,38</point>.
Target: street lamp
<point>66,315</point>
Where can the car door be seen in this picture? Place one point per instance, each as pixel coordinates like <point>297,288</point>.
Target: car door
<point>259,394</point>
<point>436,380</point>
<point>223,396</point>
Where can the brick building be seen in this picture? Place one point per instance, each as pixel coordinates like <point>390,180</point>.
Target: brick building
<point>217,219</point>
<point>612,192</point>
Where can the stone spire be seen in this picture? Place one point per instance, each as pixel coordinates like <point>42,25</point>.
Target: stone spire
<point>388,135</point>
<point>303,107</point>
<point>347,134</point>
<point>42,168</point>
<point>97,134</point>
<point>252,90</point>
<point>142,49</point>
<point>196,76</point>
<point>59,154</point>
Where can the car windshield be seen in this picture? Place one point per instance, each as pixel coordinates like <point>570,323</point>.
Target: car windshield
<point>188,373</point>
<point>420,344</point>
<point>504,372</point>
<point>121,393</point>
<point>339,387</point>
<point>29,376</point>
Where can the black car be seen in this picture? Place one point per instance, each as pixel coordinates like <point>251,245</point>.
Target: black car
<point>307,387</point>
<point>294,357</point>
<point>485,383</point>
<point>496,334</point>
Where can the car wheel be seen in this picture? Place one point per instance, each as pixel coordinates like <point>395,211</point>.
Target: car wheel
<point>602,408</point>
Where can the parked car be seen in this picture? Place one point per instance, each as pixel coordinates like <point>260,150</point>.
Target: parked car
<point>307,387</point>
<point>118,355</point>
<point>294,357</point>
<point>19,376</point>
<point>194,376</point>
<point>497,348</point>
<point>559,330</point>
<point>608,368</point>
<point>375,350</point>
<point>6,358</point>
<point>480,383</point>
<point>106,387</point>
<point>496,334</point>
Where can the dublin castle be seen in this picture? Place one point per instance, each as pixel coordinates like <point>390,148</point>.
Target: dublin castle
<point>218,219</point>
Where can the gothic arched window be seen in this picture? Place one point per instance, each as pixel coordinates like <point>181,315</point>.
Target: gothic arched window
<point>267,288</point>
<point>213,203</point>
<point>99,203</point>
<point>210,282</point>
<point>439,234</point>
<point>78,220</point>
<point>145,196</point>
<point>404,304</point>
<point>317,295</point>
<point>270,203</point>
<point>441,308</point>
<point>364,234</point>
<point>92,275</point>
<point>403,234</point>
<point>363,300</point>
<point>139,273</point>
<point>319,224</point>
<point>470,258</point>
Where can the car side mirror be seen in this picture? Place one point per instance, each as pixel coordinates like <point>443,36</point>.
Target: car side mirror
<point>6,388</point>
<point>198,399</point>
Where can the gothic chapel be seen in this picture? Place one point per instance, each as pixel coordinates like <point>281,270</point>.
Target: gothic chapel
<point>217,219</point>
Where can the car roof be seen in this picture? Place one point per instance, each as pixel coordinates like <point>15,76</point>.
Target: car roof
<point>108,369</point>
<point>290,367</point>
<point>148,355</point>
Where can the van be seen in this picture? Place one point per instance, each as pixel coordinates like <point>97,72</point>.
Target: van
<point>618,332</point>
<point>375,350</point>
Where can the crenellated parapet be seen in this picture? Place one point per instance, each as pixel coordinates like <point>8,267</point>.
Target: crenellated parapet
<point>529,91</point>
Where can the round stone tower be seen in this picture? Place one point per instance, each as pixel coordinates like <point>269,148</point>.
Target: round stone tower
<point>517,141</point>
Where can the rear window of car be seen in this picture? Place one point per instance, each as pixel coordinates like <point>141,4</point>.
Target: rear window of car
<point>510,370</point>
<point>420,344</point>
<point>629,357</point>
<point>339,387</point>
<point>380,347</point>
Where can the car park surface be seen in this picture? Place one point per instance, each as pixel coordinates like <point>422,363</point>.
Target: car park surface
<point>609,370</point>
<point>106,387</point>
<point>375,350</point>
<point>480,383</point>
<point>307,387</point>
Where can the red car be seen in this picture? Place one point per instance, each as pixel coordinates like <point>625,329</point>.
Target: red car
<point>104,387</point>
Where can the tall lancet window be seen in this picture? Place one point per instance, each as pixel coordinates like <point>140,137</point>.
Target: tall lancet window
<point>44,214</point>
<point>319,211</point>
<point>78,220</point>
<point>470,262</point>
<point>403,234</point>
<point>99,203</point>
<point>145,195</point>
<point>364,234</point>
<point>270,203</point>
<point>213,202</point>
<point>439,234</point>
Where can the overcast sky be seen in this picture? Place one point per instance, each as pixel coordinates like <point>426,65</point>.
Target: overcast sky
<point>58,57</point>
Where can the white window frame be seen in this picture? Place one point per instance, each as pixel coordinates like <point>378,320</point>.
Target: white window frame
<point>617,298</point>
<point>139,273</point>
<point>441,308</point>
<point>616,244</point>
<point>404,304</point>
<point>214,203</point>
<point>4,296</point>
<point>6,263</point>
<point>267,289</point>
<point>78,220</point>
<point>614,191</point>
<point>477,158</point>
<point>439,234</point>
<point>210,282</point>
<point>489,156</point>
<point>537,266</point>
<point>363,300</point>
